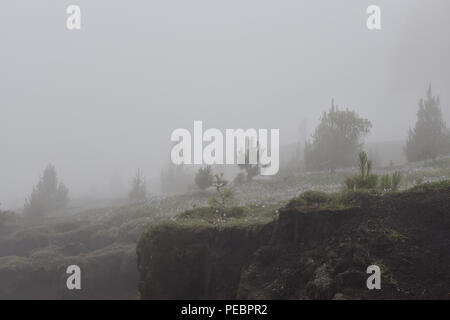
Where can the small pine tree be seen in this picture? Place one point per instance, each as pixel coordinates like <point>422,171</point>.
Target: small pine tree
<point>223,198</point>
<point>430,137</point>
<point>48,195</point>
<point>204,177</point>
<point>138,192</point>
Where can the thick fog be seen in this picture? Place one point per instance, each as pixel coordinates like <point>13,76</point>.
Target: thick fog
<point>102,101</point>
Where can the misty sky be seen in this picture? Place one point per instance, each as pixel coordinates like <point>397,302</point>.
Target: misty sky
<point>102,101</point>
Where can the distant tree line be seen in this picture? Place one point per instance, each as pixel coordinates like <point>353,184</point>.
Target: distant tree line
<point>336,142</point>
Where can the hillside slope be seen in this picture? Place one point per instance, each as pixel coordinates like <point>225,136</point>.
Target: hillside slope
<point>309,252</point>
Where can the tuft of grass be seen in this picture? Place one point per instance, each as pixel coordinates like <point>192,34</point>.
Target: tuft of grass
<point>396,179</point>
<point>389,184</point>
<point>366,179</point>
<point>315,197</point>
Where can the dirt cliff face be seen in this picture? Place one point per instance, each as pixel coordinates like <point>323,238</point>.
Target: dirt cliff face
<point>185,262</point>
<point>309,252</point>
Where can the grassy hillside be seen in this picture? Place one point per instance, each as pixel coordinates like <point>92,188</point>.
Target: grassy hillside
<point>102,241</point>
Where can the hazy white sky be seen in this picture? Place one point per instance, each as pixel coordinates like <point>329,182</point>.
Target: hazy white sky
<point>102,101</point>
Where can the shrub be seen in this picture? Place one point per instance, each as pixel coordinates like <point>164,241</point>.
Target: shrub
<point>418,180</point>
<point>336,140</point>
<point>204,178</point>
<point>310,197</point>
